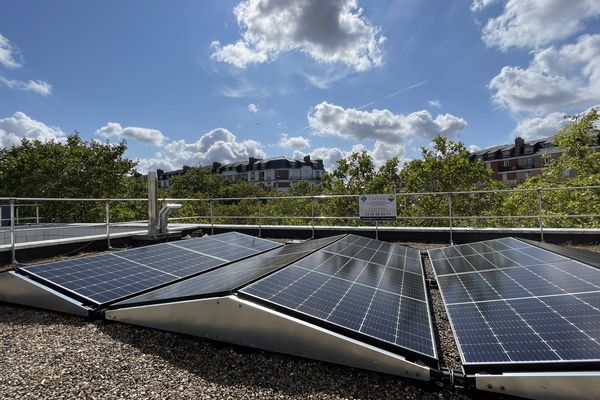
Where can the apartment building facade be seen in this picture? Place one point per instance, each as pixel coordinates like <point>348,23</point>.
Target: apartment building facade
<point>280,173</point>
<point>513,163</point>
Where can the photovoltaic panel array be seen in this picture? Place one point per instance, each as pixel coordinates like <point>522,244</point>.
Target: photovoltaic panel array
<point>368,287</point>
<point>513,303</point>
<point>108,277</point>
<point>231,276</point>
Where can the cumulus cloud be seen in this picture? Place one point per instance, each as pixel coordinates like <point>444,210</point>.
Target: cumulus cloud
<point>538,127</point>
<point>557,79</point>
<point>9,55</point>
<point>473,148</point>
<point>20,125</point>
<point>217,145</point>
<point>39,87</point>
<point>11,58</point>
<point>328,31</point>
<point>382,152</point>
<point>534,23</point>
<point>479,5</point>
<point>293,142</point>
<point>144,135</point>
<point>435,103</point>
<point>332,120</point>
<point>253,108</point>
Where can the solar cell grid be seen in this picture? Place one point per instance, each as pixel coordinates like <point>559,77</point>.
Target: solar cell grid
<point>537,307</point>
<point>107,277</point>
<point>231,276</point>
<point>340,285</point>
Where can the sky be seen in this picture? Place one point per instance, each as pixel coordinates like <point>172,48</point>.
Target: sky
<point>191,82</point>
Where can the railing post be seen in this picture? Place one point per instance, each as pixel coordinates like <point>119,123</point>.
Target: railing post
<point>541,220</point>
<point>13,256</point>
<point>259,219</point>
<point>17,215</point>
<point>312,206</point>
<point>107,220</point>
<point>450,217</point>
<point>376,230</point>
<point>37,214</point>
<point>212,219</point>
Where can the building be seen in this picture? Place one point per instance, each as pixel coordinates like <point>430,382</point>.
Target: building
<point>513,163</point>
<point>279,172</point>
<point>164,178</point>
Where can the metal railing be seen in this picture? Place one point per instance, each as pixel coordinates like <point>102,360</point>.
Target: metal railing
<point>215,211</point>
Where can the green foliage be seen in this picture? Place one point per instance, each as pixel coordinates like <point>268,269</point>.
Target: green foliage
<point>578,165</point>
<point>76,169</point>
<point>446,168</point>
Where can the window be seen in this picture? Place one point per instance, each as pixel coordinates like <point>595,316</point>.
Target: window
<point>506,153</point>
<point>505,163</point>
<point>252,175</point>
<point>530,163</point>
<point>529,150</point>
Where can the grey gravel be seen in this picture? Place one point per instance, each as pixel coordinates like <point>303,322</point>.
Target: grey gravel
<point>52,356</point>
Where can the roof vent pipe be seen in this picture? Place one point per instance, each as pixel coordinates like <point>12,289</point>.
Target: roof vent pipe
<point>164,216</point>
<point>153,227</point>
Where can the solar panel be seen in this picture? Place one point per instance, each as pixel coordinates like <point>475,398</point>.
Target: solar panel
<point>522,305</point>
<point>370,288</point>
<point>232,276</point>
<point>105,278</point>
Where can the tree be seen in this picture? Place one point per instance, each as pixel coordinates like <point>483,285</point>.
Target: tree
<point>577,165</point>
<point>75,168</point>
<point>446,168</point>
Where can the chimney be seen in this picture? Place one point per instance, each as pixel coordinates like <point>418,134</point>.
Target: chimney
<point>216,166</point>
<point>320,164</point>
<point>160,173</point>
<point>307,159</point>
<point>519,146</point>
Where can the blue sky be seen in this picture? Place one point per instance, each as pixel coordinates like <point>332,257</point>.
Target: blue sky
<point>192,82</point>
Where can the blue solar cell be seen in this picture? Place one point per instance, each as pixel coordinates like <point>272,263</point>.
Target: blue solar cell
<point>382,299</point>
<point>534,306</point>
<point>106,278</point>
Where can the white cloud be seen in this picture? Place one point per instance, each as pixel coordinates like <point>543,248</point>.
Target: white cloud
<point>253,108</point>
<point>534,23</point>
<point>382,152</point>
<point>331,32</point>
<point>144,135</point>
<point>473,148</point>
<point>293,142</point>
<point>332,120</point>
<point>537,127</point>
<point>20,125</point>
<point>435,103</point>
<point>479,5</point>
<point>9,56</point>
<point>39,87</point>
<point>557,79</point>
<point>217,145</point>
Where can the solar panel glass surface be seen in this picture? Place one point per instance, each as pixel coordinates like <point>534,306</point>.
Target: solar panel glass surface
<point>523,305</point>
<point>231,276</point>
<point>104,278</point>
<point>372,288</point>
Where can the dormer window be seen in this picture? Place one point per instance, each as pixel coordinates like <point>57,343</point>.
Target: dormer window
<point>529,150</point>
<point>506,153</point>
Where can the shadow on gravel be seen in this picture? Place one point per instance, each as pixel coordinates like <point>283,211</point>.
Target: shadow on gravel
<point>24,315</point>
<point>229,365</point>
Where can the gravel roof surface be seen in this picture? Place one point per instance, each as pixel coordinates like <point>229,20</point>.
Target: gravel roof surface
<point>49,355</point>
<point>46,355</point>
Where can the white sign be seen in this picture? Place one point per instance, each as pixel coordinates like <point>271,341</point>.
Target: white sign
<point>377,207</point>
